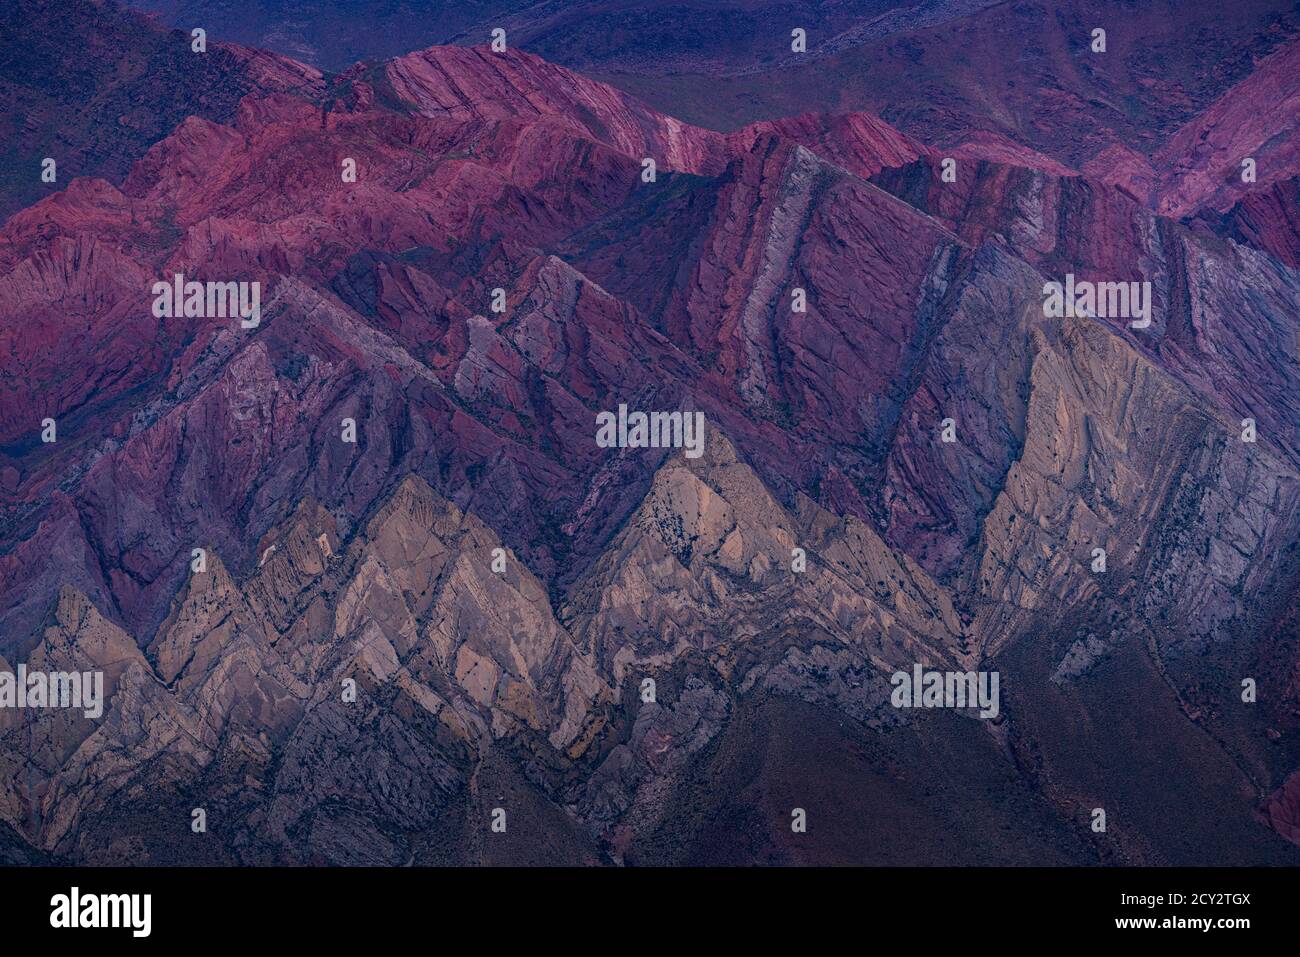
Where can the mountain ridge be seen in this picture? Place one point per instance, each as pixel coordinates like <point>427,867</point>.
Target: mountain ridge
<point>351,464</point>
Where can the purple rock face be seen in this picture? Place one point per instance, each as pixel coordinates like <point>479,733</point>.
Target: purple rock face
<point>361,566</point>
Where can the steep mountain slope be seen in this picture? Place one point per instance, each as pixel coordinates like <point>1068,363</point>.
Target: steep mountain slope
<point>131,86</point>
<point>944,71</point>
<point>425,591</point>
<point>1256,118</point>
<point>1267,219</point>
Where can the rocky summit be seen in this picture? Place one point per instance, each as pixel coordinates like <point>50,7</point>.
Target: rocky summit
<point>364,582</point>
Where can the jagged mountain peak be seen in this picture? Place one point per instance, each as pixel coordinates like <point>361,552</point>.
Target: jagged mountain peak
<point>429,576</point>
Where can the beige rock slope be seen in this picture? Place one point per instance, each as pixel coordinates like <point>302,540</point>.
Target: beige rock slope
<point>242,704</point>
<point>1119,455</point>
<point>706,563</point>
<point>410,608</point>
<point>57,766</point>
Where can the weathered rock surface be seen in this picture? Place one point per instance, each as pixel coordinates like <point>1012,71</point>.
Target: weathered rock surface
<point>496,588</point>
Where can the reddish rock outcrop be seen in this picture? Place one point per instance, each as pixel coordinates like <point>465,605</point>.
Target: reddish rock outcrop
<point>475,591</point>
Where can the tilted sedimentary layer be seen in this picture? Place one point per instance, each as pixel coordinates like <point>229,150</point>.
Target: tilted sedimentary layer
<point>639,655</point>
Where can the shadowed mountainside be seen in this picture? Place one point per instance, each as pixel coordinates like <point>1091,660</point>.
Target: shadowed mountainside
<point>386,639</point>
